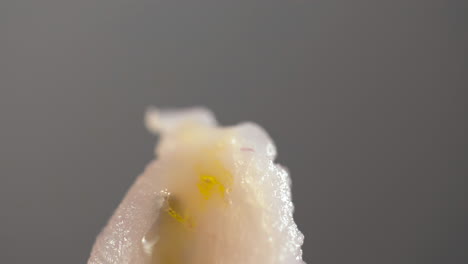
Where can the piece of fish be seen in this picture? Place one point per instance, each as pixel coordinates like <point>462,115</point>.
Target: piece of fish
<point>212,196</point>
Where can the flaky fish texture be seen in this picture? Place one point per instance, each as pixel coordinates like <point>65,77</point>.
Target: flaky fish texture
<point>213,196</point>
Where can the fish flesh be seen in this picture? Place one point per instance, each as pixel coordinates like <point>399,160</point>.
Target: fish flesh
<point>213,195</point>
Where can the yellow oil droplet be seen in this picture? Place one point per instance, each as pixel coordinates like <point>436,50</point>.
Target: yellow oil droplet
<point>175,215</point>
<point>172,209</point>
<point>214,178</point>
<point>208,185</point>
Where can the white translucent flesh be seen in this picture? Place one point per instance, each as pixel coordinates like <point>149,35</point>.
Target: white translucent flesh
<point>213,196</point>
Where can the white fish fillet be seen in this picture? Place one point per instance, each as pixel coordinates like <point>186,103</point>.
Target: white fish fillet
<point>212,196</point>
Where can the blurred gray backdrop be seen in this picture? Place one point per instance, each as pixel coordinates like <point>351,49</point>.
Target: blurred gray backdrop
<point>366,101</point>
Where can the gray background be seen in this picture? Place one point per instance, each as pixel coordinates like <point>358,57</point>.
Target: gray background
<point>366,101</point>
